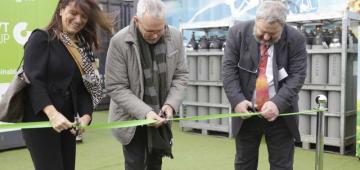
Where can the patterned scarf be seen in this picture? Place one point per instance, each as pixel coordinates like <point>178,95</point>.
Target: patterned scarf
<point>90,72</point>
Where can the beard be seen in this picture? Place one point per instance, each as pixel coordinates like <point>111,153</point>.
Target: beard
<point>268,43</point>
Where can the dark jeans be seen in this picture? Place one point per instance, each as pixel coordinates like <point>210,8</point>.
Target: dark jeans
<point>137,156</point>
<point>279,141</point>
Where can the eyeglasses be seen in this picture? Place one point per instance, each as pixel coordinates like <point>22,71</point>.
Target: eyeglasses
<point>158,32</point>
<point>151,32</point>
<point>247,70</point>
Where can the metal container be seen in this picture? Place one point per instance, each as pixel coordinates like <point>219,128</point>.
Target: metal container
<point>203,68</point>
<point>319,62</point>
<point>319,67</point>
<point>203,97</point>
<point>224,100</point>
<point>214,91</point>
<point>192,65</point>
<point>215,43</point>
<point>203,91</point>
<point>204,44</point>
<point>335,69</point>
<point>191,96</point>
<point>308,70</point>
<point>304,104</point>
<point>214,98</point>
<point>333,125</point>
<point>335,61</point>
<point>192,44</point>
<point>214,68</point>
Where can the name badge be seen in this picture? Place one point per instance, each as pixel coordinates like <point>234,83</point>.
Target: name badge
<point>282,74</point>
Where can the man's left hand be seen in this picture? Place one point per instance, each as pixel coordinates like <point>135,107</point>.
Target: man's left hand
<point>168,110</point>
<point>269,111</point>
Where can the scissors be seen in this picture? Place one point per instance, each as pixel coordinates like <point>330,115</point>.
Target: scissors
<point>77,126</point>
<point>162,114</point>
<point>253,109</point>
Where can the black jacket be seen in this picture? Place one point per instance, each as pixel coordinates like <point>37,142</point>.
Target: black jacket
<point>55,78</point>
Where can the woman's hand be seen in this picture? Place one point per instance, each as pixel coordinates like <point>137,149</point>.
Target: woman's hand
<point>57,120</point>
<point>83,121</point>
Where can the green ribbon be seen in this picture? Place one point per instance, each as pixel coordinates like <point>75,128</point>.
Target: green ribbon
<point>121,124</point>
<point>358,131</point>
<point>132,123</point>
<point>25,125</point>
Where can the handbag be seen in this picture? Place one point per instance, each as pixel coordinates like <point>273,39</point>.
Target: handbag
<point>12,101</point>
<point>12,105</point>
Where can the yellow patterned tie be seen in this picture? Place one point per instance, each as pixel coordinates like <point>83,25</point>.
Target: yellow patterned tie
<point>262,86</point>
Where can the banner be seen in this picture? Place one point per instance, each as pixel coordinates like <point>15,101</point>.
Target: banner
<point>17,19</point>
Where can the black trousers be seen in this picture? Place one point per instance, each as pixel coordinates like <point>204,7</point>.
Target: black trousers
<point>51,150</point>
<point>279,141</point>
<point>136,153</point>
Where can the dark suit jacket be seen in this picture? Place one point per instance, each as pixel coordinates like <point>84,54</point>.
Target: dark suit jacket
<point>54,78</point>
<point>289,53</point>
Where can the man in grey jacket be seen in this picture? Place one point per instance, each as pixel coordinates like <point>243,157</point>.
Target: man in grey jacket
<point>146,74</point>
<point>263,70</point>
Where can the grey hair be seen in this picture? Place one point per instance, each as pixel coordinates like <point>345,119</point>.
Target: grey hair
<point>155,8</point>
<point>272,11</point>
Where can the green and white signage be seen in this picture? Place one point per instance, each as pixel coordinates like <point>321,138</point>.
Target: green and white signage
<point>17,19</point>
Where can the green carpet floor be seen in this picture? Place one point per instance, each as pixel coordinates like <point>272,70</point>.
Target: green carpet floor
<point>192,151</point>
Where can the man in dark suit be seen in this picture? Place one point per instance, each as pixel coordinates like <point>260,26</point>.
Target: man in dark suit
<point>263,70</point>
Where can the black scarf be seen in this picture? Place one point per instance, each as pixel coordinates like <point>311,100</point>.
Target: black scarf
<point>153,62</point>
